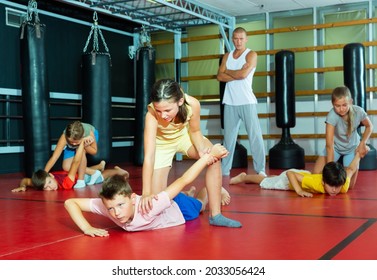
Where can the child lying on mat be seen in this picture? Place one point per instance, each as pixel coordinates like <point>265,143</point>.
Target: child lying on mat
<point>335,178</point>
<point>171,207</point>
<point>45,181</point>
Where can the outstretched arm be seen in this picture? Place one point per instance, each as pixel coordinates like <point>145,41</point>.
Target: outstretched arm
<point>24,184</point>
<point>218,151</point>
<point>354,165</point>
<point>330,129</point>
<point>90,144</point>
<point>56,154</point>
<point>75,208</point>
<point>76,161</point>
<point>196,135</point>
<point>362,148</point>
<point>295,180</point>
<point>150,133</point>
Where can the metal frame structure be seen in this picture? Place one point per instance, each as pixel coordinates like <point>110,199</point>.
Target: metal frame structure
<point>163,15</point>
<point>167,15</point>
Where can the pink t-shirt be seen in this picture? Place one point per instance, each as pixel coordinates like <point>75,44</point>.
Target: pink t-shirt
<point>165,213</point>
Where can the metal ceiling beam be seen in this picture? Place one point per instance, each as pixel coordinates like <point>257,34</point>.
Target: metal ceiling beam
<point>99,3</point>
<point>193,8</point>
<point>141,8</point>
<point>110,10</point>
<point>199,14</point>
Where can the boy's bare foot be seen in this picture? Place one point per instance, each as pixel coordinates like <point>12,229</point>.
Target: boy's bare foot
<point>123,172</point>
<point>102,164</point>
<point>203,198</point>
<point>191,192</point>
<point>237,179</point>
<point>225,196</point>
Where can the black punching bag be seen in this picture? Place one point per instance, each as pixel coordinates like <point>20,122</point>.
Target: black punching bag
<point>286,154</point>
<point>145,78</point>
<point>222,90</point>
<point>96,101</point>
<point>354,74</point>
<point>35,96</point>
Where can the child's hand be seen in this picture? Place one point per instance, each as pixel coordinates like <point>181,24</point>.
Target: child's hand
<point>304,194</point>
<point>93,232</point>
<point>204,151</point>
<point>145,204</point>
<point>362,150</point>
<point>88,140</point>
<point>19,189</point>
<point>219,151</point>
<point>211,159</point>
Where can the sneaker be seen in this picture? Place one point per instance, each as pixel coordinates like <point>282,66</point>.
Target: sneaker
<point>94,177</point>
<point>79,184</point>
<point>262,173</point>
<point>99,180</point>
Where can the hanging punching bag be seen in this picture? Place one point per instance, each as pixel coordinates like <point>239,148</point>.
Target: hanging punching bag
<point>145,78</point>
<point>178,156</point>
<point>222,90</point>
<point>286,154</point>
<point>35,96</point>
<point>96,92</point>
<point>96,101</point>
<point>354,74</point>
<point>178,71</point>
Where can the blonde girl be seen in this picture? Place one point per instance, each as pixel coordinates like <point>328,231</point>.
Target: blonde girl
<point>342,137</point>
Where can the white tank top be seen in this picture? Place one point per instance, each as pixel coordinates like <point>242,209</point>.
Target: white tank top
<point>239,92</point>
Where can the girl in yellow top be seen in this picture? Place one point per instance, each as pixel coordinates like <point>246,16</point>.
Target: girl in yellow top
<point>334,179</point>
<point>172,124</point>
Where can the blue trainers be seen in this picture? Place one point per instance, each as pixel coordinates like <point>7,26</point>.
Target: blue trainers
<point>79,184</point>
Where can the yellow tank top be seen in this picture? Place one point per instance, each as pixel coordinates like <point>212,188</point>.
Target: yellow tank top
<point>172,131</point>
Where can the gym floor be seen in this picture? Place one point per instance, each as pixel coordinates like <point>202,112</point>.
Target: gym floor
<point>277,225</point>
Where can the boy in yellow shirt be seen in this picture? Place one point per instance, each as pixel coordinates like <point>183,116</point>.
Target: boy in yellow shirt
<point>335,178</point>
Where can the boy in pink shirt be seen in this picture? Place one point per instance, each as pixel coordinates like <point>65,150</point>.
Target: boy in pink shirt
<point>170,207</point>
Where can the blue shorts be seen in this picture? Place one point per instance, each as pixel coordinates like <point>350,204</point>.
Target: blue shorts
<point>69,152</point>
<point>346,160</point>
<point>190,206</point>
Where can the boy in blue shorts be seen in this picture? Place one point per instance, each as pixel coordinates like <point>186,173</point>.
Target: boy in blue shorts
<point>170,208</point>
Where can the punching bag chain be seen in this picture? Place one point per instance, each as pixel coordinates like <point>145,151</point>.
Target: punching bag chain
<point>95,30</point>
<point>32,9</point>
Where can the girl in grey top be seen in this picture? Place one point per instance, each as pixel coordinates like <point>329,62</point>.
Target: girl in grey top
<point>342,137</point>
